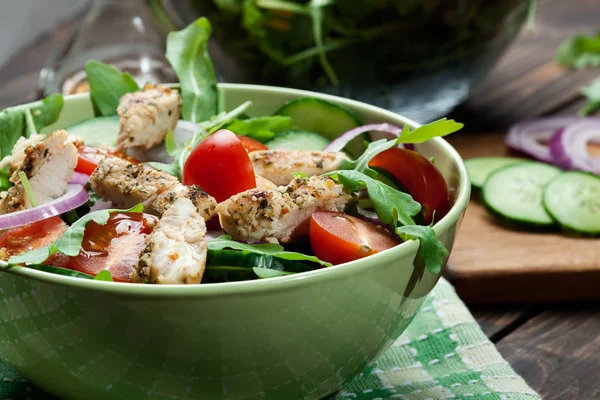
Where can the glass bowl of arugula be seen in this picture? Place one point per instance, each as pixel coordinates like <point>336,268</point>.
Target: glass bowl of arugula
<point>419,58</point>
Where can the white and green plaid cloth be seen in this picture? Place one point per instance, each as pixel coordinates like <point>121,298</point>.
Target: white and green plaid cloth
<point>442,355</point>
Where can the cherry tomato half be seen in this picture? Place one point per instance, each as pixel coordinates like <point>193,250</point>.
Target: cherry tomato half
<point>420,177</point>
<point>34,236</point>
<point>339,238</point>
<point>89,157</point>
<point>220,166</point>
<point>250,144</point>
<point>114,246</point>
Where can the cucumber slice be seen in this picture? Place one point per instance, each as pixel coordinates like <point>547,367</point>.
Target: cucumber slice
<point>324,118</point>
<point>246,259</point>
<point>573,200</point>
<point>480,168</point>
<point>97,131</point>
<point>227,274</point>
<point>515,193</point>
<point>298,140</point>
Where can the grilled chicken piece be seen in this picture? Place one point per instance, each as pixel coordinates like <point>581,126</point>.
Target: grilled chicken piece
<point>281,214</point>
<point>48,165</point>
<point>15,159</point>
<point>146,116</point>
<point>278,166</point>
<point>125,185</point>
<point>175,251</point>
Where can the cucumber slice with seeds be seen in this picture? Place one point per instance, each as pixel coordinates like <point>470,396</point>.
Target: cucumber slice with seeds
<point>325,118</point>
<point>573,200</point>
<point>480,168</point>
<point>515,193</point>
<point>97,131</point>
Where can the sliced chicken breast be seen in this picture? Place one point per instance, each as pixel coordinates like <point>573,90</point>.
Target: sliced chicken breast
<point>281,214</point>
<point>263,183</point>
<point>147,116</point>
<point>15,159</point>
<point>278,166</point>
<point>48,165</point>
<point>175,251</point>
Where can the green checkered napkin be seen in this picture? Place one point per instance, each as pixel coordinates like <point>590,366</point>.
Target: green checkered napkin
<point>442,355</point>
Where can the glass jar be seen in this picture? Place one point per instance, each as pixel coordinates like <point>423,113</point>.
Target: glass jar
<point>123,33</point>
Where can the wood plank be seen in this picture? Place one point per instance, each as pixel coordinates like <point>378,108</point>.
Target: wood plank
<point>491,263</point>
<point>495,322</point>
<point>557,351</point>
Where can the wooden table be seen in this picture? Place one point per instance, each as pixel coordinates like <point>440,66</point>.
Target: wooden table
<point>555,347</point>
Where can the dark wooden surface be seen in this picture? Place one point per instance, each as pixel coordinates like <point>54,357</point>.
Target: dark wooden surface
<point>556,348</point>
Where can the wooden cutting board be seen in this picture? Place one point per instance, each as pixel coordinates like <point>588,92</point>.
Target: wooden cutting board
<point>491,263</point>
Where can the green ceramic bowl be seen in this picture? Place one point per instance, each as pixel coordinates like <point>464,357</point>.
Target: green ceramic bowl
<point>294,337</point>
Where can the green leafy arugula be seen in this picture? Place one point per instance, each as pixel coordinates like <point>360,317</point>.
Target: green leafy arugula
<point>13,122</point>
<point>187,51</point>
<point>392,206</point>
<point>580,52</point>
<point>104,275</point>
<point>431,250</point>
<point>70,242</point>
<point>592,92</point>
<point>262,129</point>
<point>107,86</point>
<point>439,128</point>
<point>271,249</point>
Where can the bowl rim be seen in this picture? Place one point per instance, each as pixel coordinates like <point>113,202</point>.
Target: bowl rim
<point>279,283</point>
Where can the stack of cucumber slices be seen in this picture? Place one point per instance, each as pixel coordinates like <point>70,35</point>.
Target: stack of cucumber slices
<point>535,195</point>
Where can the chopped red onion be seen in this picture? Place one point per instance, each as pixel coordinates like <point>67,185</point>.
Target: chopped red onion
<point>342,141</point>
<point>368,215</point>
<point>75,196</point>
<point>79,178</point>
<point>568,146</point>
<point>527,136</point>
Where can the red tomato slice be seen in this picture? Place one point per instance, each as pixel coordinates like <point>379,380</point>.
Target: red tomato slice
<point>220,166</point>
<point>89,157</point>
<point>420,177</point>
<point>250,144</point>
<point>339,238</point>
<point>34,236</point>
<point>114,246</point>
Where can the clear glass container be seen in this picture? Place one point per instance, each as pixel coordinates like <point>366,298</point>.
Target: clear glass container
<point>123,33</point>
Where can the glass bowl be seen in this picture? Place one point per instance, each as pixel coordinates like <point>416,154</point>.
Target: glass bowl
<point>418,58</point>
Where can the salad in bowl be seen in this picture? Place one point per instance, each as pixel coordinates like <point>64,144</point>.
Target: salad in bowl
<point>162,188</point>
<point>285,238</point>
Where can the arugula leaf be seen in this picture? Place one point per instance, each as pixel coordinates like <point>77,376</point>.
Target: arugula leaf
<point>13,123</point>
<point>262,129</point>
<point>170,144</point>
<point>580,52</point>
<point>392,206</point>
<point>30,124</point>
<point>28,191</point>
<point>264,273</point>
<point>104,275</point>
<point>592,92</point>
<point>431,250</point>
<point>187,51</point>
<point>361,164</point>
<point>12,127</point>
<point>70,242</point>
<point>107,86</point>
<point>439,128</point>
<point>272,249</point>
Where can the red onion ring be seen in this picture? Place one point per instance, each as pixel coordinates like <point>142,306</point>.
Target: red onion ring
<point>79,178</point>
<point>526,136</point>
<point>568,146</point>
<point>342,141</point>
<point>75,196</point>
<point>369,216</point>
